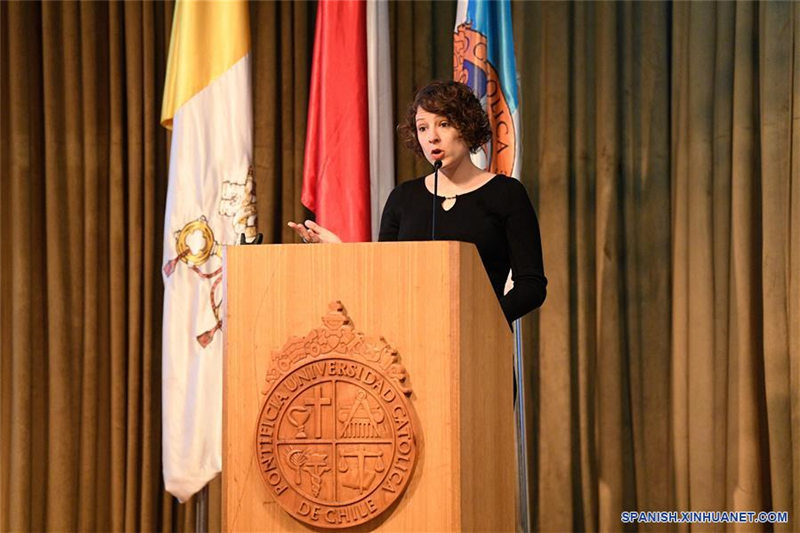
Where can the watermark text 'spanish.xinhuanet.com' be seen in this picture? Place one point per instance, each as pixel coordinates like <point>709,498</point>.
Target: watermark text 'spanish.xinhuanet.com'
<point>704,517</point>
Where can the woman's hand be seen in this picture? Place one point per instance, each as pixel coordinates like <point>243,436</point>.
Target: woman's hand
<point>312,232</point>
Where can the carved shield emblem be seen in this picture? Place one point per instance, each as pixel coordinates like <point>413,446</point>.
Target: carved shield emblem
<point>336,437</point>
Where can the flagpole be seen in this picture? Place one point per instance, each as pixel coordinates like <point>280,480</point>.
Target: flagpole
<point>523,515</point>
<point>201,511</point>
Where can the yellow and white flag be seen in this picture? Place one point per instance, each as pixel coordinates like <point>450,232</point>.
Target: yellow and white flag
<point>210,202</point>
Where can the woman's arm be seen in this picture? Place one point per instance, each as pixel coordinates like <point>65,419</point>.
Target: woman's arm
<point>390,218</point>
<point>525,251</point>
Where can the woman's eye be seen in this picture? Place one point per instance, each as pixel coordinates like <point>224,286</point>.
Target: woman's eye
<point>444,124</point>
<point>421,129</point>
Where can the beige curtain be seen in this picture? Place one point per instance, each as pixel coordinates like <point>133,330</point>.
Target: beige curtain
<point>660,151</point>
<point>736,328</point>
<point>596,159</point>
<point>661,154</point>
<point>84,167</point>
<point>283,37</point>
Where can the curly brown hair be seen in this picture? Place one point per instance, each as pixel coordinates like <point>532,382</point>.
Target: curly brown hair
<point>456,102</point>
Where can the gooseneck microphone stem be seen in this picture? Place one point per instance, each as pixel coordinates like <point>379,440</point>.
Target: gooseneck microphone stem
<point>436,166</point>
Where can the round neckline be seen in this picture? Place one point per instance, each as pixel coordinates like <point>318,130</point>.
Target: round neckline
<point>430,192</point>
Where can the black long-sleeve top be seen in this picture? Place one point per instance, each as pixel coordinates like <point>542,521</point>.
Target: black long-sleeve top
<point>497,217</point>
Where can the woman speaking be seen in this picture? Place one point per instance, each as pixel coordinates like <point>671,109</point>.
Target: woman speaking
<point>444,124</point>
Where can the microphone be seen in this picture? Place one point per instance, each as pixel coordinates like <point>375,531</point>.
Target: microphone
<point>436,166</point>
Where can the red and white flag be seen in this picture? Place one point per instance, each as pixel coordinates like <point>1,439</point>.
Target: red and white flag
<point>349,166</point>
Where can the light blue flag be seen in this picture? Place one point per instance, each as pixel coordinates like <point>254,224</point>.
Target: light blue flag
<point>483,59</point>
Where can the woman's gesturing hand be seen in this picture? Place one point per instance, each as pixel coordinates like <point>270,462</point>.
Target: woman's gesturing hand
<point>312,232</point>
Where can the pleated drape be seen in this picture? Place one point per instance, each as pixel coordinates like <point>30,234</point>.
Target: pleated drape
<point>595,95</point>
<point>661,151</point>
<point>734,195</point>
<point>283,38</point>
<point>84,166</point>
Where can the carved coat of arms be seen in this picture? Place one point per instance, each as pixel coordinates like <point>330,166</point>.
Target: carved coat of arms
<point>336,437</point>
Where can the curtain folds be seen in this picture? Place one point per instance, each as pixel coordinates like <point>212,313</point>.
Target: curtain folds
<point>84,169</point>
<point>283,39</point>
<point>595,95</point>
<point>662,153</point>
<point>735,428</point>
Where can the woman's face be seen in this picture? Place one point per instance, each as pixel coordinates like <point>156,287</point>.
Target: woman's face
<point>439,139</point>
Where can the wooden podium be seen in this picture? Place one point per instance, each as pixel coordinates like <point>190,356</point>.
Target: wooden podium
<point>433,303</point>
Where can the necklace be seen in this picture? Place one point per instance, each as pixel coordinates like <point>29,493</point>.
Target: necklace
<point>449,202</point>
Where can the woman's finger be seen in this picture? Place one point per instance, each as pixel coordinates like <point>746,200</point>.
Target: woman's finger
<point>314,231</point>
<point>310,224</point>
<point>301,231</point>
